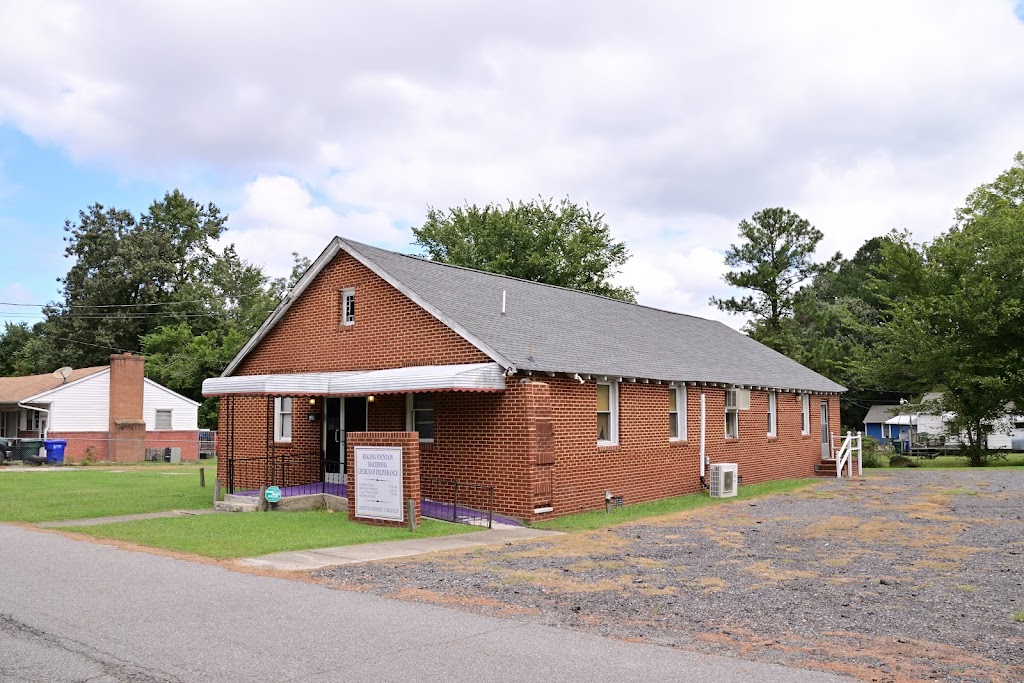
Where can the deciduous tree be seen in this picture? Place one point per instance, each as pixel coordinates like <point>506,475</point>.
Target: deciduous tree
<point>560,244</point>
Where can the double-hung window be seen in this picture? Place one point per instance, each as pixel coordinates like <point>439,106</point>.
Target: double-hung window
<point>677,413</point>
<point>283,419</point>
<point>348,307</point>
<point>732,414</point>
<point>773,414</point>
<point>420,416</point>
<point>607,413</point>
<point>805,414</point>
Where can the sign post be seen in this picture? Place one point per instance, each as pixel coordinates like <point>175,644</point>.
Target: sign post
<point>378,473</point>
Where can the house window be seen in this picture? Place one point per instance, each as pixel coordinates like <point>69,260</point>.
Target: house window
<point>283,419</point>
<point>32,421</point>
<point>677,413</point>
<point>773,419</point>
<point>732,414</point>
<point>420,417</point>
<point>348,307</point>
<point>163,419</point>
<point>607,414</point>
<point>805,414</point>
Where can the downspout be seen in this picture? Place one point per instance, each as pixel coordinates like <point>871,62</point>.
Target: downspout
<point>41,410</point>
<point>703,421</point>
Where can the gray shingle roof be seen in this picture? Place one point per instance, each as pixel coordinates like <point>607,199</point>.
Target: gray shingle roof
<point>552,329</point>
<point>879,414</point>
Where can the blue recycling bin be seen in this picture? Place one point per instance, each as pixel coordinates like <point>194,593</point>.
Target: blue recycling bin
<point>55,449</point>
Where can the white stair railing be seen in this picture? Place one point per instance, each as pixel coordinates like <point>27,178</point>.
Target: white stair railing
<point>852,443</point>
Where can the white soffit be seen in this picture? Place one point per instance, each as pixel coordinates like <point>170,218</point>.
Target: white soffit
<point>471,377</point>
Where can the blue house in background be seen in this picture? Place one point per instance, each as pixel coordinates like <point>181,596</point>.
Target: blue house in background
<point>875,426</point>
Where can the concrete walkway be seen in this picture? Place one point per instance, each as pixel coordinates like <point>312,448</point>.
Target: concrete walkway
<point>125,518</point>
<point>308,560</point>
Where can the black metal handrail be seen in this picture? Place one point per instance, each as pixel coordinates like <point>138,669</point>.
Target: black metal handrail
<point>297,474</point>
<point>457,501</point>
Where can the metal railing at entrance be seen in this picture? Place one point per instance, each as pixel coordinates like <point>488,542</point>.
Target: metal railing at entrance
<point>297,474</point>
<point>455,501</point>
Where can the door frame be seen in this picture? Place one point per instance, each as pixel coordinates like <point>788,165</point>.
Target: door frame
<point>826,441</point>
<point>342,476</point>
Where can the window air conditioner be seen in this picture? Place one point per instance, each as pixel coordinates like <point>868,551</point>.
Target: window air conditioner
<point>723,479</point>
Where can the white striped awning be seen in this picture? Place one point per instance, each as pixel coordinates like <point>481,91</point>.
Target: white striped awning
<point>472,377</point>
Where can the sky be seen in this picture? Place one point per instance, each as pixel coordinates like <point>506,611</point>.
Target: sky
<point>308,119</point>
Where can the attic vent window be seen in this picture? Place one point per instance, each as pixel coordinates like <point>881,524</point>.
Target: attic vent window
<point>348,307</point>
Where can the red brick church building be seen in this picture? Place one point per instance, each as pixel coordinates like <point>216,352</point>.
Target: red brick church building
<point>553,396</point>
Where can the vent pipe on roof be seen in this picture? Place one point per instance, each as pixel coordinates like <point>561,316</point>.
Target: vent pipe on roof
<point>503,294</point>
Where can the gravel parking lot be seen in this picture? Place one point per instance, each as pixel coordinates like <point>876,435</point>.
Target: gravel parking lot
<point>907,575</point>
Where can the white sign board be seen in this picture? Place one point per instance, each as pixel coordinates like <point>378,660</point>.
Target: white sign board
<point>379,482</point>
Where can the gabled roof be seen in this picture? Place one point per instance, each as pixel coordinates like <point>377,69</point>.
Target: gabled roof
<point>17,389</point>
<point>879,414</point>
<point>545,328</point>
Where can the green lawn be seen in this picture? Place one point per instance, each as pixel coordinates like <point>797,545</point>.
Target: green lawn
<point>586,521</point>
<point>1012,460</point>
<point>78,493</point>
<point>248,534</point>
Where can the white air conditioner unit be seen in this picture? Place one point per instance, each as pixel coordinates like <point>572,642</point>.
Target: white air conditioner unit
<point>723,479</point>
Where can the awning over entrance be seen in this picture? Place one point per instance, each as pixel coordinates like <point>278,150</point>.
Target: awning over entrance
<point>472,377</point>
<point>902,420</point>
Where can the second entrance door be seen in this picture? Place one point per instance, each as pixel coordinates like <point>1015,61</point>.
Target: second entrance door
<point>341,415</point>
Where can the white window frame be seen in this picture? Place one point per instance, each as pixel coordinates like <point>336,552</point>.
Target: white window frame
<point>410,417</point>
<point>170,419</point>
<point>283,417</point>
<point>680,392</point>
<point>805,414</point>
<point>348,295</point>
<point>613,410</point>
<point>733,409</point>
<point>773,414</point>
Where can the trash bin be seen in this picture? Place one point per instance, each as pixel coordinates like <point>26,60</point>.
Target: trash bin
<point>28,448</point>
<point>55,449</point>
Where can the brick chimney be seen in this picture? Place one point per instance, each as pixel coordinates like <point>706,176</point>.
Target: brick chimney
<point>127,428</point>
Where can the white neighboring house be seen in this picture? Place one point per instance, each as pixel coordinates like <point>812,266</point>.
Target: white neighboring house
<point>1007,433</point>
<point>113,410</point>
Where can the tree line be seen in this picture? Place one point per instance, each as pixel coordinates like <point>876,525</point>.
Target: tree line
<point>894,320</point>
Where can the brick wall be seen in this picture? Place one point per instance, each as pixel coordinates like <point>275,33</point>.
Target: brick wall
<point>390,330</point>
<point>507,439</point>
<point>78,444</point>
<point>409,443</point>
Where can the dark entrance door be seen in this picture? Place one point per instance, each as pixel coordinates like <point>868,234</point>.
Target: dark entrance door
<point>332,436</point>
<point>341,415</point>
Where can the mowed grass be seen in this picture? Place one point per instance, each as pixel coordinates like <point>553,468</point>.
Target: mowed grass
<point>588,521</point>
<point>78,493</point>
<point>231,535</point>
<point>949,462</point>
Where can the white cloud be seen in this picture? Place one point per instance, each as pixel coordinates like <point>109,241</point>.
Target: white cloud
<point>676,119</point>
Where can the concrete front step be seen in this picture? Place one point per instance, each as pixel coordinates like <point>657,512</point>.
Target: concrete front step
<point>233,506</point>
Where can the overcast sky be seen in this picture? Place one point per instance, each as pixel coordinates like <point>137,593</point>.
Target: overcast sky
<point>304,120</point>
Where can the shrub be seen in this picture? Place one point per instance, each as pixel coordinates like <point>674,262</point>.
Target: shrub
<point>90,456</point>
<point>871,452</point>
<point>900,460</point>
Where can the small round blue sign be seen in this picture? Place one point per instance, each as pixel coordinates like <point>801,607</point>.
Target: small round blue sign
<point>273,494</point>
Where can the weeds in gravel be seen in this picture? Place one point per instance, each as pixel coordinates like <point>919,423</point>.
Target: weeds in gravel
<point>599,519</point>
<point>1019,616</point>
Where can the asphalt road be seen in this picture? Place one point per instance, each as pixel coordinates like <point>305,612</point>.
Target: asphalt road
<point>78,611</point>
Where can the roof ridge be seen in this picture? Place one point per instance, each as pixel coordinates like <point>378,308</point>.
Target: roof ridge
<point>530,282</point>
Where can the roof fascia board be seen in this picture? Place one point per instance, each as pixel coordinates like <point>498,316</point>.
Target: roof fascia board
<point>46,394</point>
<point>164,389</point>
<point>419,301</point>
<point>321,262</point>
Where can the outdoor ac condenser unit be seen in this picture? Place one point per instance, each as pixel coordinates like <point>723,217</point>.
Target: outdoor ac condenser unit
<point>723,479</point>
